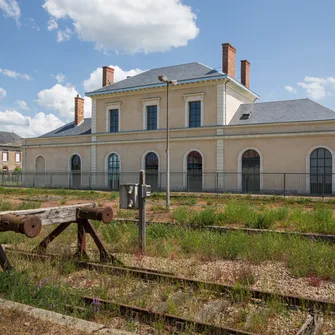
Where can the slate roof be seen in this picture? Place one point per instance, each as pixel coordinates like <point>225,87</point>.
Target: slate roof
<point>10,139</point>
<point>282,111</point>
<point>182,72</point>
<point>71,129</point>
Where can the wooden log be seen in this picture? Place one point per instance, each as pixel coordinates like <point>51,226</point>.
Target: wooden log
<point>52,215</point>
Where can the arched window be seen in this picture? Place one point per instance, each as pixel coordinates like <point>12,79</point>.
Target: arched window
<point>75,172</point>
<point>114,171</point>
<point>151,170</point>
<point>194,171</point>
<point>251,171</point>
<point>321,168</point>
<point>40,171</point>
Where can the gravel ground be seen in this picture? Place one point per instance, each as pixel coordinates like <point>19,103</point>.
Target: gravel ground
<point>269,276</point>
<point>15,323</point>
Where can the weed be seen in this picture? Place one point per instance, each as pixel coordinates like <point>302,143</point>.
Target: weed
<point>244,276</point>
<point>187,201</point>
<point>125,213</point>
<point>181,215</point>
<point>158,208</point>
<point>29,205</point>
<point>206,217</point>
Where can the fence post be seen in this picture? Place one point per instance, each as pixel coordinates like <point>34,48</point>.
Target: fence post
<point>90,181</point>
<point>217,183</point>
<point>51,180</point>
<point>142,228</point>
<point>284,184</point>
<point>34,179</point>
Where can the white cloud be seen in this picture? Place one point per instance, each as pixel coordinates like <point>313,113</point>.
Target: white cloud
<point>64,35</point>
<point>291,89</point>
<point>3,93</point>
<point>60,99</point>
<point>52,24</point>
<point>22,105</point>
<point>128,25</point>
<point>14,74</point>
<point>315,87</point>
<point>59,77</point>
<point>11,9</point>
<point>95,79</point>
<point>27,126</point>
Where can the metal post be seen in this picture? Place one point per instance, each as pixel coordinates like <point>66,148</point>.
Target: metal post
<point>142,223</point>
<point>167,150</point>
<point>284,184</point>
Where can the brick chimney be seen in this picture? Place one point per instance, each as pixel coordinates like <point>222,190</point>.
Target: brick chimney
<point>245,73</point>
<point>228,59</point>
<point>107,76</point>
<point>78,110</point>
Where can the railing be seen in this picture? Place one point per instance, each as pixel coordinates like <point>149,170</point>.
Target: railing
<point>227,182</point>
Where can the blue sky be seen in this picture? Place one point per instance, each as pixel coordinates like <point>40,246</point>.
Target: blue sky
<point>49,48</point>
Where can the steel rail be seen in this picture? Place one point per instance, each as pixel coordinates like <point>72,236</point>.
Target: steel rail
<point>223,229</point>
<point>150,317</point>
<point>243,292</point>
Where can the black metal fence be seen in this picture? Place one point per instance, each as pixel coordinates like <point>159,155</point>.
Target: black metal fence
<point>227,182</point>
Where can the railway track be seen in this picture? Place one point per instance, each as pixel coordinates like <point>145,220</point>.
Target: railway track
<point>311,236</point>
<point>153,275</point>
<point>151,317</point>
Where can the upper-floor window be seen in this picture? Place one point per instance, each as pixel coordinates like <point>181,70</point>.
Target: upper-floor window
<point>114,120</point>
<point>151,117</point>
<point>194,111</point>
<point>18,156</point>
<point>151,108</point>
<point>113,117</point>
<point>5,156</point>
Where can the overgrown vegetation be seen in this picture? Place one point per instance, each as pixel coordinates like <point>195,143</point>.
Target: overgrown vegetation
<point>44,294</point>
<point>319,220</point>
<point>303,257</point>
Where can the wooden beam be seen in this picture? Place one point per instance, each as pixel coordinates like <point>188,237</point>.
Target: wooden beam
<point>52,215</point>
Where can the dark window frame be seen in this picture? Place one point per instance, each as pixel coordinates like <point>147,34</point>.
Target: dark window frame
<point>194,114</point>
<point>114,116</point>
<point>152,117</point>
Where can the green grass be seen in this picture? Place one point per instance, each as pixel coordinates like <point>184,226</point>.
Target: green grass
<point>241,213</point>
<point>319,220</point>
<point>43,294</point>
<point>29,205</point>
<point>303,257</point>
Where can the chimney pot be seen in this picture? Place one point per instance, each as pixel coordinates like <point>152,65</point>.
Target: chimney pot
<point>78,110</point>
<point>245,73</point>
<point>107,76</point>
<point>228,59</point>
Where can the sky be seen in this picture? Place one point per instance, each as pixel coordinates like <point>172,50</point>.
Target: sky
<point>52,50</point>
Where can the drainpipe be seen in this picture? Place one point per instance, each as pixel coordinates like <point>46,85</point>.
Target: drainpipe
<point>225,101</point>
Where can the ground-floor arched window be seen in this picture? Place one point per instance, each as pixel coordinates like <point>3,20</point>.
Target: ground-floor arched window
<point>321,168</point>
<point>151,170</point>
<point>251,171</point>
<point>194,171</point>
<point>114,171</point>
<point>40,171</point>
<point>75,172</point>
